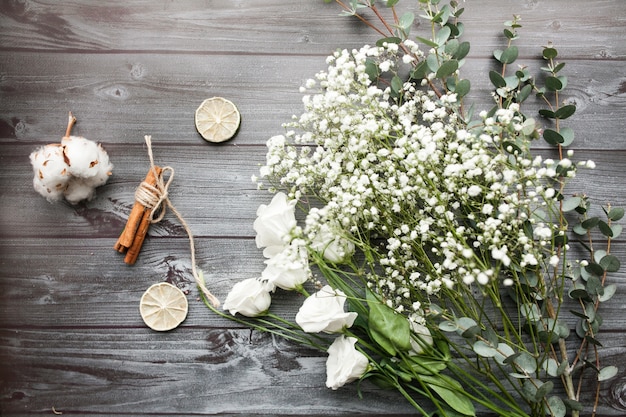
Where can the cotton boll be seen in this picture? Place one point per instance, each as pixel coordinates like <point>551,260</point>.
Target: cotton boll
<point>79,189</point>
<point>51,171</point>
<point>82,156</point>
<point>71,169</point>
<point>103,171</point>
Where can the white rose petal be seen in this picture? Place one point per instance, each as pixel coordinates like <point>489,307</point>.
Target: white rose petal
<point>324,312</point>
<point>274,223</point>
<point>344,364</point>
<point>250,297</point>
<point>422,337</point>
<point>288,269</point>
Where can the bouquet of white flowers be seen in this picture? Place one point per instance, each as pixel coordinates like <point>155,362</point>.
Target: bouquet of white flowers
<point>436,244</point>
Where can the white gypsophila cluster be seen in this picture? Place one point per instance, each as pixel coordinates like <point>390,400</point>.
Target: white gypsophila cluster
<point>448,205</point>
<point>71,169</point>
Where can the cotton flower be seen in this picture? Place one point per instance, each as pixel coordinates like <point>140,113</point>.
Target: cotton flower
<point>344,364</point>
<point>71,170</point>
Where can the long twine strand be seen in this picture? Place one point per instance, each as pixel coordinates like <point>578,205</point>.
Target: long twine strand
<point>155,197</point>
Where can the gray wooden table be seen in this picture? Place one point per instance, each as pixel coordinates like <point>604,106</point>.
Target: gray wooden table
<point>71,337</point>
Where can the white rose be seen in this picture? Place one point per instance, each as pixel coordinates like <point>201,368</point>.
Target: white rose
<point>250,297</point>
<point>423,336</point>
<point>288,269</point>
<point>274,223</point>
<point>332,245</point>
<point>344,364</point>
<point>324,312</point>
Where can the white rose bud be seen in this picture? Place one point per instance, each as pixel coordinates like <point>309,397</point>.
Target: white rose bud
<point>250,297</point>
<point>274,224</point>
<point>344,364</point>
<point>324,312</point>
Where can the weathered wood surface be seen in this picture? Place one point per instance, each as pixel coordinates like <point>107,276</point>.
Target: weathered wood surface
<point>71,338</point>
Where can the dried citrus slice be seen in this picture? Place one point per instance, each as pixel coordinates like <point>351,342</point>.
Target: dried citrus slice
<point>217,119</point>
<point>163,307</point>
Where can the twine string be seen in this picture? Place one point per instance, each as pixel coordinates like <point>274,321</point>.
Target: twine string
<point>155,197</point>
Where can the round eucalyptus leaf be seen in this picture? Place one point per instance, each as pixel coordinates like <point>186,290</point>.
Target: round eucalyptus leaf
<point>484,349</point>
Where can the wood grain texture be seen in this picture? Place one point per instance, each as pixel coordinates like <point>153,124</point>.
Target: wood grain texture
<point>71,338</point>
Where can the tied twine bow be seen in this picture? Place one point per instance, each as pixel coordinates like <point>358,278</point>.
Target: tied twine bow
<point>155,198</point>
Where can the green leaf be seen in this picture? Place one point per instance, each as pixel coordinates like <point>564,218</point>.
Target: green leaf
<point>433,62</point>
<point>406,21</point>
<point>551,366</point>
<point>452,46</point>
<point>509,55</point>
<point>420,71</point>
<point>442,36</point>
<point>391,3</point>
<point>372,70</point>
<point>509,34</point>
<point>524,93</point>
<point>609,292</point>
<point>605,229</point>
<point>530,311</point>
<point>462,51</point>
<point>590,223</point>
<point>427,42</point>
<point>484,349</point>
<point>610,263</point>
<point>579,294</point>
<point>451,392</point>
<point>565,111</point>
<point>502,352</point>
<point>526,362</point>
<point>549,53</point>
<point>571,203</point>
<point>543,390</point>
<point>616,214</point>
<point>568,136</point>
<point>448,326</point>
<point>556,407</point>
<point>425,365</point>
<point>547,113</point>
<point>391,331</point>
<point>465,325</point>
<point>552,137</point>
<point>462,87</point>
<point>396,84</point>
<point>389,40</point>
<point>554,84</point>
<point>496,79</point>
<point>616,229</point>
<point>447,68</point>
<point>607,372</point>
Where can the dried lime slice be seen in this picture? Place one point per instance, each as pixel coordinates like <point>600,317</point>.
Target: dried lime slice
<point>163,307</point>
<point>217,119</point>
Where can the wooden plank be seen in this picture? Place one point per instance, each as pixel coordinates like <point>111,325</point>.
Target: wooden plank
<point>215,372</point>
<point>119,98</point>
<point>300,27</point>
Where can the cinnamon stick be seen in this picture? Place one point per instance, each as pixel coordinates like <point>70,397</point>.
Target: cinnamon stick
<point>138,222</point>
<point>133,251</point>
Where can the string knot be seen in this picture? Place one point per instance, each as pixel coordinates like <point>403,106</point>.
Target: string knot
<point>156,199</point>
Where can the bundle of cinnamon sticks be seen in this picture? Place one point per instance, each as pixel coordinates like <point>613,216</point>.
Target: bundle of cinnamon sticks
<point>132,237</point>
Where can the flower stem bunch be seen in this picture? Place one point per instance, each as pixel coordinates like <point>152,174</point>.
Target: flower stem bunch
<point>445,234</point>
